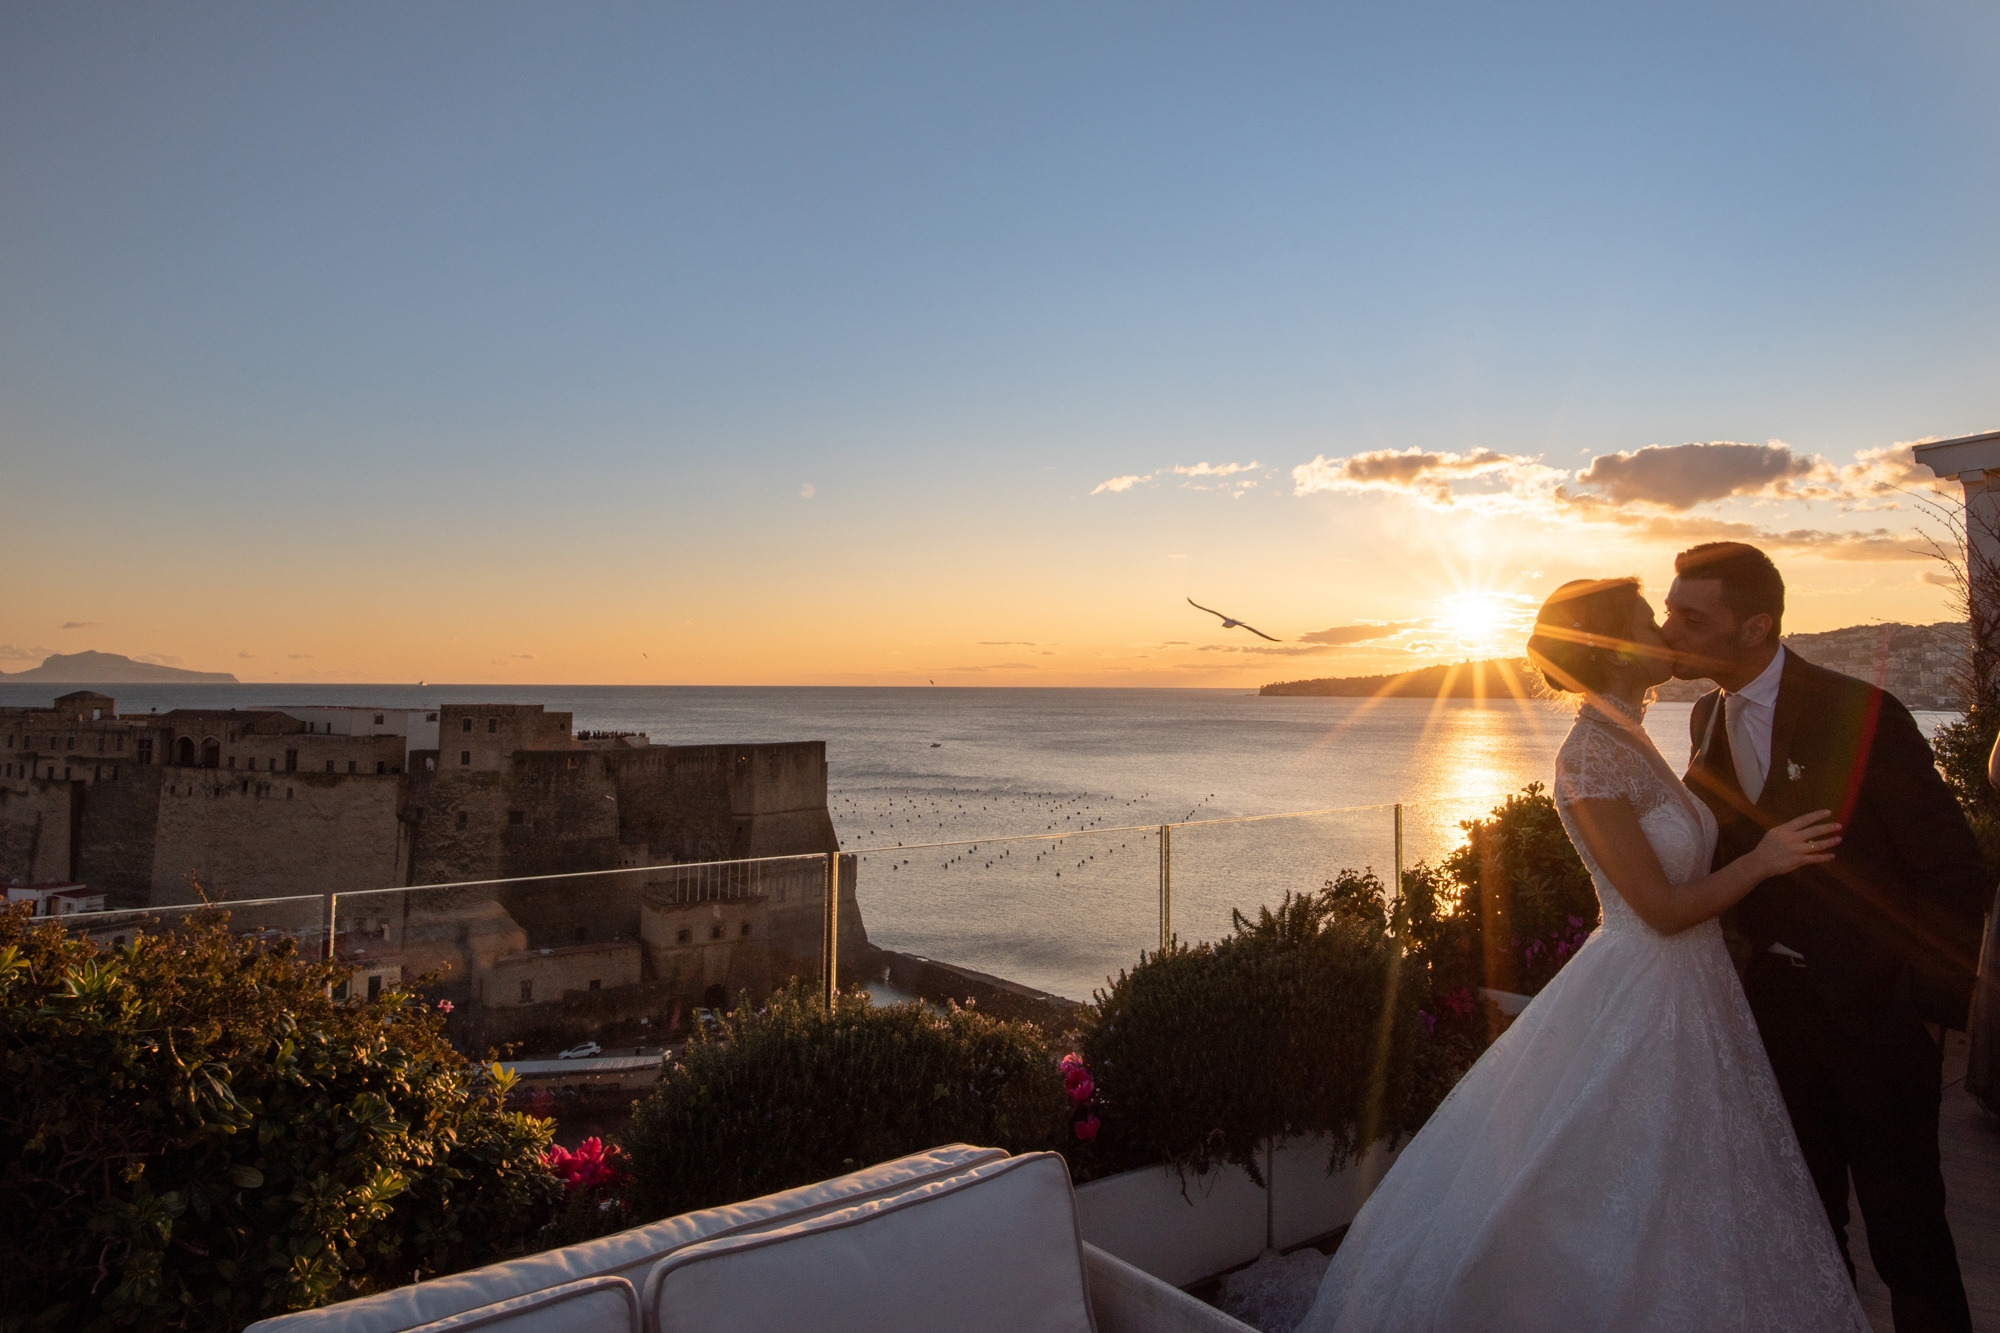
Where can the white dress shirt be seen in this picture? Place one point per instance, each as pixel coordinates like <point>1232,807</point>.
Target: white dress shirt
<point>1748,713</point>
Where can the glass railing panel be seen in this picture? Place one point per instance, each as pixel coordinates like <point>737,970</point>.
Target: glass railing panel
<point>1224,866</point>
<point>301,919</point>
<point>1060,913</point>
<point>625,958</point>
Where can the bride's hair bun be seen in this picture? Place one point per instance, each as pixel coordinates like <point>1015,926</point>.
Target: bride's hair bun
<point>1580,629</point>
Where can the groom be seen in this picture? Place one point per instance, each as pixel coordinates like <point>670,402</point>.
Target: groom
<point>1855,963</point>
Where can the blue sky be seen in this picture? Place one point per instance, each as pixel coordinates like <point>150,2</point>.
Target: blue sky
<point>503,342</point>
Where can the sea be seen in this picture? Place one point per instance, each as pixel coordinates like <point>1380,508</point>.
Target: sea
<point>1017,831</point>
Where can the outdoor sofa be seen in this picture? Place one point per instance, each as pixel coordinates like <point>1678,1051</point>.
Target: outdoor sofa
<point>960,1238</point>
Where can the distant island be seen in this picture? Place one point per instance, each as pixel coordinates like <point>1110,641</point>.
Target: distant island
<point>91,667</point>
<point>1919,664</point>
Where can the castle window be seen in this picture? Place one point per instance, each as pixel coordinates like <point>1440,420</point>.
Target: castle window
<point>461,819</point>
<point>465,758</point>
<point>595,984</point>
<point>492,725</point>
<point>121,744</point>
<point>430,717</point>
<point>527,992</point>
<point>350,766</point>
<point>746,930</point>
<point>232,761</point>
<point>466,725</point>
<point>329,765</point>
<point>715,932</point>
<point>381,767</point>
<point>517,816</point>
<point>100,745</point>
<point>374,986</point>
<point>291,761</point>
<point>684,937</point>
<point>582,932</point>
<point>378,719</point>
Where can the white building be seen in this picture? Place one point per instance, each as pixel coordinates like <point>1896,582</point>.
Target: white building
<point>417,726</point>
<point>55,899</point>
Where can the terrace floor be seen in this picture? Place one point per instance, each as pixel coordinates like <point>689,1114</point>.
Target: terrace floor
<point>1971,1142</point>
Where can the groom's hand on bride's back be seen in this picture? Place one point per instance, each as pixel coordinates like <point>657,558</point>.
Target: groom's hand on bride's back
<point>1808,840</point>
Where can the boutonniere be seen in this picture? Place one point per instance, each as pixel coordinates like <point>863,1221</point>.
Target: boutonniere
<point>1794,770</point>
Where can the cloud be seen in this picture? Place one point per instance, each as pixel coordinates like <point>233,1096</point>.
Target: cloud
<point>247,656</point>
<point>1939,578</point>
<point>807,491</point>
<point>81,624</point>
<point>1342,634</point>
<point>1681,476</point>
<point>1008,643</point>
<point>10,653</point>
<point>1218,471</point>
<point>1428,476</point>
<point>301,657</point>
<point>513,657</point>
<point>160,659</point>
<point>1264,650</point>
<point>998,666</point>
<point>1648,492</point>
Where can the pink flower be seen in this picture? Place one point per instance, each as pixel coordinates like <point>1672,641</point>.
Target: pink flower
<point>1071,1063</point>
<point>591,1164</point>
<point>1086,1128</point>
<point>444,1006</point>
<point>1081,1089</point>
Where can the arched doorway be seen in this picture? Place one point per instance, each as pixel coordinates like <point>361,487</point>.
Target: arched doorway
<point>211,753</point>
<point>715,997</point>
<point>184,752</point>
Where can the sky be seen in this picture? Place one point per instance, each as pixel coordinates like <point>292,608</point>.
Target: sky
<point>886,344</point>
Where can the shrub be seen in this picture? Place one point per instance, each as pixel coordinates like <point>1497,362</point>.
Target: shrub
<point>195,1135</point>
<point>791,1093</point>
<point>1517,896</point>
<point>1962,747</point>
<point>1296,1023</point>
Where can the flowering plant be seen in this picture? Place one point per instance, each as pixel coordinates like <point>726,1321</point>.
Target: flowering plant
<point>1081,1088</point>
<point>591,1165</point>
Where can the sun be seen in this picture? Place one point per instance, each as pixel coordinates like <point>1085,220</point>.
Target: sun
<point>1481,618</point>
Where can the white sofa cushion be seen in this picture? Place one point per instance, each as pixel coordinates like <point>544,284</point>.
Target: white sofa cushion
<point>627,1254</point>
<point>594,1305</point>
<point>991,1250</point>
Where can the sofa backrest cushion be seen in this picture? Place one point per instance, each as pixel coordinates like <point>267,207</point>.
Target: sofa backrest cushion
<point>594,1305</point>
<point>991,1250</point>
<point>628,1253</point>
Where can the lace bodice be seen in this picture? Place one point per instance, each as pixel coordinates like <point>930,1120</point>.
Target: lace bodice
<point>1608,756</point>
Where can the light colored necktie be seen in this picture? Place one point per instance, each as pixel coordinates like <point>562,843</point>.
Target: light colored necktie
<point>1742,748</point>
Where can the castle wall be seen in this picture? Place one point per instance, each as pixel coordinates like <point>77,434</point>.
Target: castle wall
<point>118,836</point>
<point>273,835</point>
<point>36,818</point>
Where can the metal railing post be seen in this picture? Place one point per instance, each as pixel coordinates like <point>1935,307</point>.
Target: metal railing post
<point>1399,852</point>
<point>829,961</point>
<point>1166,885</point>
<point>327,952</point>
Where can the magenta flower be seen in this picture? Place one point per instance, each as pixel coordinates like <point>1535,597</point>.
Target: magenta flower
<point>1086,1128</point>
<point>1070,1064</point>
<point>444,1006</point>
<point>1080,1089</point>
<point>591,1164</point>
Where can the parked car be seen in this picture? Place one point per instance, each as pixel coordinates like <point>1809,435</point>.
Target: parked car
<point>589,1048</point>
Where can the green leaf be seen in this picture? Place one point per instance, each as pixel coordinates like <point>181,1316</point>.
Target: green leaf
<point>245,1177</point>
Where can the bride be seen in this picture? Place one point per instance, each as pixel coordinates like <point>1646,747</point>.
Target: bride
<point>1620,1159</point>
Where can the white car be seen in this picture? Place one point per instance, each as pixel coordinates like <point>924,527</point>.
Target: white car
<point>589,1048</point>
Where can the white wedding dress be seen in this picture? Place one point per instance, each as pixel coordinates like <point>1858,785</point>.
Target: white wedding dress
<point>1620,1159</point>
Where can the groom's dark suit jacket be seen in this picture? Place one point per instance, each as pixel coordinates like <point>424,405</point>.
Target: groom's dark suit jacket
<point>1890,927</point>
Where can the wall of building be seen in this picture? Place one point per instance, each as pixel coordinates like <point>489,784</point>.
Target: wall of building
<point>273,835</point>
<point>37,817</point>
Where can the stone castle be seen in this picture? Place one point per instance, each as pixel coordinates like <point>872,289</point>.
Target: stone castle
<point>157,810</point>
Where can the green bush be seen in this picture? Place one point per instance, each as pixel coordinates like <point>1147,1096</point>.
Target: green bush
<point>194,1135</point>
<point>1962,748</point>
<point>1296,1023</point>
<point>789,1094</point>
<point>1517,897</point>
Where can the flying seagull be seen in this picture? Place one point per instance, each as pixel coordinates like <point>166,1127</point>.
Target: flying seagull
<point>1227,623</point>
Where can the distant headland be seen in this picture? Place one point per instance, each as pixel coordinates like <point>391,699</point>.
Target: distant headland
<point>1919,664</point>
<point>91,667</point>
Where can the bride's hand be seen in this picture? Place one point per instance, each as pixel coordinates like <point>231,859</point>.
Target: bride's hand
<point>1808,840</point>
